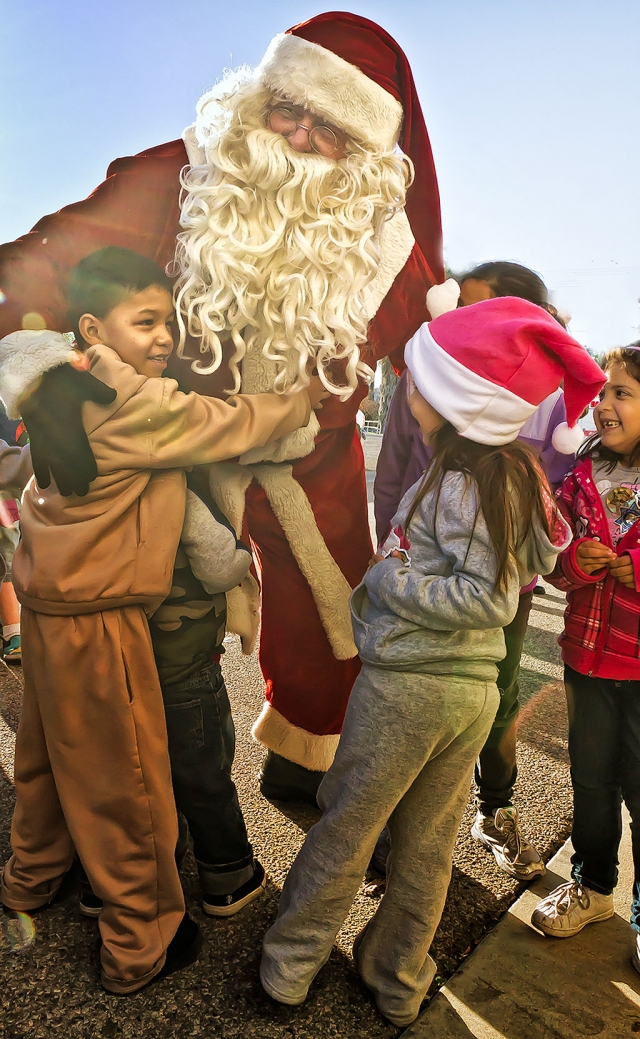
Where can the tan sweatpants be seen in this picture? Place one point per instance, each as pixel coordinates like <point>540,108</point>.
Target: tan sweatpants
<point>92,773</point>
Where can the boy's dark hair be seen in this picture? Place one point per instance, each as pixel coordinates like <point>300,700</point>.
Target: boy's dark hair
<point>629,358</point>
<point>105,278</point>
<point>512,279</point>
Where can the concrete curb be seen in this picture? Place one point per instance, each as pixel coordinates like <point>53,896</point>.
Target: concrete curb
<point>518,984</point>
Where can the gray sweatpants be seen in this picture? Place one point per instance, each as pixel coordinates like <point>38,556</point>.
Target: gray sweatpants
<point>406,756</point>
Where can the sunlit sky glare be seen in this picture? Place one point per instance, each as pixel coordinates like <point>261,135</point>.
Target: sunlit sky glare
<point>533,107</point>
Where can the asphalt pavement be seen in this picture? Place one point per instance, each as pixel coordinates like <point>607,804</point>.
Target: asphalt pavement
<point>48,963</point>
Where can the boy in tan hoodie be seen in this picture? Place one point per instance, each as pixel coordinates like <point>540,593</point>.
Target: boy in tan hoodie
<point>92,769</point>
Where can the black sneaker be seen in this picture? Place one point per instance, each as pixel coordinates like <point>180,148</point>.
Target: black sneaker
<point>229,905</point>
<point>90,905</point>
<point>183,950</point>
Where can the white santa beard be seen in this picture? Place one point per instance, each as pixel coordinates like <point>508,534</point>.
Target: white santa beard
<point>277,252</point>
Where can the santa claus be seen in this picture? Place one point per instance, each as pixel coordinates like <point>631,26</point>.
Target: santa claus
<point>305,207</point>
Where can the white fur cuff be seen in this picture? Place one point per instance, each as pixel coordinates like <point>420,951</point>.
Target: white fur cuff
<point>273,731</point>
<point>24,357</point>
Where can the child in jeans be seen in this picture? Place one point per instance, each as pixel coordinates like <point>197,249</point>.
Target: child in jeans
<point>600,572</point>
<point>92,770</point>
<point>187,632</point>
<point>428,622</point>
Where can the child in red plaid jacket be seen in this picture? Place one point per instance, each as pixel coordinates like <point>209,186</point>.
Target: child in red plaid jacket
<point>600,572</point>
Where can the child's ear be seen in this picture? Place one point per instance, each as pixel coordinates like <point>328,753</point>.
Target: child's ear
<point>89,328</point>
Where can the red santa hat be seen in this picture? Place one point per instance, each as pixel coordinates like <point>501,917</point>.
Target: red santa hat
<point>348,69</point>
<point>486,368</point>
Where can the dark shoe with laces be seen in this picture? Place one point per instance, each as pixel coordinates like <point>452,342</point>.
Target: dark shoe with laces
<point>229,905</point>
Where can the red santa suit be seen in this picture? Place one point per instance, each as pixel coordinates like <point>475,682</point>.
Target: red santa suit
<point>349,70</point>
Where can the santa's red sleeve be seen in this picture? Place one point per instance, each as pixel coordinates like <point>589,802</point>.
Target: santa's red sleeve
<point>136,207</point>
<point>402,311</point>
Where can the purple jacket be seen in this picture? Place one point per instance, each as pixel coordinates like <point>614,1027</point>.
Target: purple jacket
<point>404,455</point>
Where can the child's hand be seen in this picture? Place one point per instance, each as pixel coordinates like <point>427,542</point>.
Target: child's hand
<point>622,569</point>
<point>317,392</point>
<point>593,555</point>
<point>378,558</point>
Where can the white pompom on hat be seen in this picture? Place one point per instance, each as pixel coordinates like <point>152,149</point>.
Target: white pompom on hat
<point>567,439</point>
<point>443,298</point>
<point>486,368</point>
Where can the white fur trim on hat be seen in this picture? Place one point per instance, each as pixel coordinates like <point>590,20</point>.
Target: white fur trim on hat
<point>312,76</point>
<point>567,439</point>
<point>443,298</point>
<point>478,408</point>
<point>24,357</point>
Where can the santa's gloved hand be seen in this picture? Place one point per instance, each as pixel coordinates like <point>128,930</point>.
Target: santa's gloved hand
<point>52,413</point>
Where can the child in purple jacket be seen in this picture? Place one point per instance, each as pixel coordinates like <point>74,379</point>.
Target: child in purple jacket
<point>403,458</point>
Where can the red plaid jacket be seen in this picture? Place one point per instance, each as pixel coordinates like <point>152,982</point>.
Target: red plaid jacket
<point>602,621</point>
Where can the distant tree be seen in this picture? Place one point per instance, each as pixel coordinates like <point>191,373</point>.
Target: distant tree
<point>369,409</point>
<point>388,384</point>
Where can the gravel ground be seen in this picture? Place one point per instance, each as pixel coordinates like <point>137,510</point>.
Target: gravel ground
<point>48,965</point>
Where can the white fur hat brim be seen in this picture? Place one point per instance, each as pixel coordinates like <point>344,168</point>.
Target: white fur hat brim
<point>24,357</point>
<point>316,78</point>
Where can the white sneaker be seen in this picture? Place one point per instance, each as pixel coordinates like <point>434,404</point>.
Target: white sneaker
<point>635,957</point>
<point>501,834</point>
<point>569,908</point>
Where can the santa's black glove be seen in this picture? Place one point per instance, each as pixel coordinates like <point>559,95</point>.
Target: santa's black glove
<point>60,448</point>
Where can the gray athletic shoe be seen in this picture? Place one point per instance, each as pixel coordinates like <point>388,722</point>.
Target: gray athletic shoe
<point>569,908</point>
<point>501,834</point>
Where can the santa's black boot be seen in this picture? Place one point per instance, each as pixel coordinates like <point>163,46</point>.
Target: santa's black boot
<point>284,780</point>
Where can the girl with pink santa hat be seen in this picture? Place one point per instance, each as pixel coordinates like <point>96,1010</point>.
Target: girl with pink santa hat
<point>428,620</point>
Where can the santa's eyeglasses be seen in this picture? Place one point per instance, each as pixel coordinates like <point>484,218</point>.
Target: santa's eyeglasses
<point>284,119</point>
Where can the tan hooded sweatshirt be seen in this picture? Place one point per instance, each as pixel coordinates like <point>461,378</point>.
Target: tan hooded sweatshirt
<point>117,545</point>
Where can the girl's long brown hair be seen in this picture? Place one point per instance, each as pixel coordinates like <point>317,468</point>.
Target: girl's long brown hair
<point>511,489</point>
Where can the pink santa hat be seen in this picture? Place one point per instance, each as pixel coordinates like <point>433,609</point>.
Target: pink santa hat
<point>486,368</point>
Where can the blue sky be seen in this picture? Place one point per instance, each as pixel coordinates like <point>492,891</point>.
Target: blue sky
<point>533,108</point>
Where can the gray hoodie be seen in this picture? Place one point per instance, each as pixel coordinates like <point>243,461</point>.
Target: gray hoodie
<point>440,614</point>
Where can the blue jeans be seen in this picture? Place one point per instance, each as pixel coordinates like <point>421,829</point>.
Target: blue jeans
<point>604,749</point>
<point>201,748</point>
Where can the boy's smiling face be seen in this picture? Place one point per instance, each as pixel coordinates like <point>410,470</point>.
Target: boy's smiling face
<point>139,329</point>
